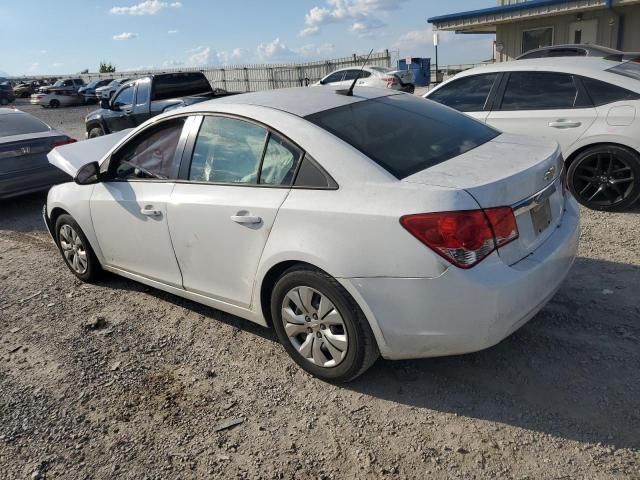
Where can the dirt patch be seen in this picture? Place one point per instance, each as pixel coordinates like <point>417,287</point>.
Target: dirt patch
<point>165,388</point>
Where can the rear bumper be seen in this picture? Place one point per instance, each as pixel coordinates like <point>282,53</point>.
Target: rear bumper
<point>28,181</point>
<point>463,311</point>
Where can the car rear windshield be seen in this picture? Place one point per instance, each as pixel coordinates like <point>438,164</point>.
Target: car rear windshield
<point>628,69</point>
<point>20,124</point>
<point>402,133</point>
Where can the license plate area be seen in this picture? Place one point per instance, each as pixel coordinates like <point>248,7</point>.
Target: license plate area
<point>541,216</point>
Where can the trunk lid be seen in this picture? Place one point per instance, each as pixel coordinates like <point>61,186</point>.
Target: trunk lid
<point>69,158</point>
<point>27,152</point>
<point>510,170</point>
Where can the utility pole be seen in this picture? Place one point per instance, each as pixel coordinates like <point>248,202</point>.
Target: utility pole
<point>435,44</point>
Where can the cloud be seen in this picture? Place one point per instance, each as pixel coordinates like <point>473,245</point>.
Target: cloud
<point>275,50</point>
<point>363,15</point>
<point>149,7</point>
<point>417,37</point>
<point>43,52</point>
<point>235,55</point>
<point>311,50</point>
<point>172,32</point>
<point>172,63</point>
<point>199,56</point>
<point>125,36</point>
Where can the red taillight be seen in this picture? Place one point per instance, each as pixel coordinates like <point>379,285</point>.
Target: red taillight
<point>59,143</point>
<point>464,238</point>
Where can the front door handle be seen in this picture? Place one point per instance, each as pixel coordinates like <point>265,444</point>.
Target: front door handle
<point>245,218</point>
<point>149,211</point>
<point>565,124</point>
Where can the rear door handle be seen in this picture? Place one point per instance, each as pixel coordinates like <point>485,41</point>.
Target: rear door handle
<point>565,124</point>
<point>149,211</point>
<point>245,218</point>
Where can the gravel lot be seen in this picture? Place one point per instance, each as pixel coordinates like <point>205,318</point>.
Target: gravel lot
<point>119,380</point>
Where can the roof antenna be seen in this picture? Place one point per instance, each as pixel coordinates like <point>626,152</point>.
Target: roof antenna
<point>349,93</point>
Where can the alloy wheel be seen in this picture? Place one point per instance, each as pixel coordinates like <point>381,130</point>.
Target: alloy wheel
<point>73,249</point>
<point>314,327</point>
<point>604,179</point>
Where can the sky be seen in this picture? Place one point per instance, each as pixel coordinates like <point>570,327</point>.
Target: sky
<point>67,36</point>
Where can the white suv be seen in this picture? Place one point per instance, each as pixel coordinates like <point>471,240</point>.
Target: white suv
<point>590,106</point>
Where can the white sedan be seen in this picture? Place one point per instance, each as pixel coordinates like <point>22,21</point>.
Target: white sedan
<point>373,76</point>
<point>56,98</point>
<point>589,105</point>
<point>355,226</point>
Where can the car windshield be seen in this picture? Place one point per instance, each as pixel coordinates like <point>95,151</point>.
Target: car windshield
<point>114,83</point>
<point>59,83</point>
<point>20,124</point>
<point>628,69</point>
<point>402,133</point>
<point>93,84</point>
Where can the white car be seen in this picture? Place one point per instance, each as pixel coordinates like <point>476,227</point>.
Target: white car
<point>374,76</point>
<point>361,225</point>
<point>589,105</point>
<point>56,98</point>
<point>107,91</point>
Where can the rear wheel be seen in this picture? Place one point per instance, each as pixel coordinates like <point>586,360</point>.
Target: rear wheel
<point>605,177</point>
<point>54,103</point>
<point>321,327</point>
<point>95,132</point>
<point>75,249</point>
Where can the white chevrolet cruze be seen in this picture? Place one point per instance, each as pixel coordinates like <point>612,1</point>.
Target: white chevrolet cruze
<point>589,105</point>
<point>355,226</point>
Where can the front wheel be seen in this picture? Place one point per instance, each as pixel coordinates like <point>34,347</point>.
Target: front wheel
<point>76,250</point>
<point>95,132</point>
<point>321,327</point>
<point>605,177</point>
<point>54,103</point>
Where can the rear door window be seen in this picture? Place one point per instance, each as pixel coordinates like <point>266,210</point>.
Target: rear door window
<point>180,85</point>
<point>541,91</point>
<point>467,94</point>
<point>403,133</point>
<point>602,92</point>
<point>227,150</point>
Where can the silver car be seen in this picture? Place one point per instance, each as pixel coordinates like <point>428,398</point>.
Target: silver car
<point>24,144</point>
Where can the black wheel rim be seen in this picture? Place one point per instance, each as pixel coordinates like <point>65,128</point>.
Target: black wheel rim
<point>604,179</point>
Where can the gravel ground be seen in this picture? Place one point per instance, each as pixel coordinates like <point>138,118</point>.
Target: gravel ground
<point>117,380</point>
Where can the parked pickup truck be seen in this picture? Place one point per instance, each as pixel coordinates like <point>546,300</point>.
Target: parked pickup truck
<point>143,98</point>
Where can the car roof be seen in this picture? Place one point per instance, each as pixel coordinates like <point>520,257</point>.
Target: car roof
<point>593,67</point>
<point>300,101</point>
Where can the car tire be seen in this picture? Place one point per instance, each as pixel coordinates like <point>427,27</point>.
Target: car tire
<point>76,250</point>
<point>4,101</point>
<point>326,333</point>
<point>25,95</point>
<point>605,177</point>
<point>54,103</point>
<point>95,132</point>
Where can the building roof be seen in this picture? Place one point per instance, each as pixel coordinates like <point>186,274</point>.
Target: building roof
<point>484,20</point>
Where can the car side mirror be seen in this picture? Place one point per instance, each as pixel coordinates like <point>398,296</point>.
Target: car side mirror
<point>88,174</point>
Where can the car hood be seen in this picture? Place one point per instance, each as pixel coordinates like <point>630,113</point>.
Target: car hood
<point>69,158</point>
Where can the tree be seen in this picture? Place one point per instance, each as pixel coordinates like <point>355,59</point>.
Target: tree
<point>107,67</point>
<point>86,70</point>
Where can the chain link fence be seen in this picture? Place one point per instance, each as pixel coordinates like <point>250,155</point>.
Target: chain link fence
<point>249,78</point>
